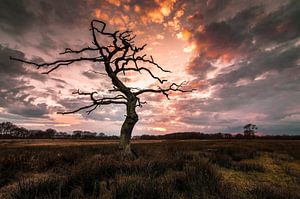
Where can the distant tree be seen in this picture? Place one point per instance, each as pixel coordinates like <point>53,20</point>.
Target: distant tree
<point>7,128</point>
<point>239,136</point>
<point>227,135</point>
<point>61,135</point>
<point>88,134</point>
<point>40,134</point>
<point>118,57</point>
<point>101,134</point>
<point>50,133</point>
<point>33,133</point>
<point>250,130</point>
<point>21,132</point>
<point>77,134</point>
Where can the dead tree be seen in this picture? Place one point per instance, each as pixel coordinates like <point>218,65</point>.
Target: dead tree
<point>119,57</point>
<point>250,130</point>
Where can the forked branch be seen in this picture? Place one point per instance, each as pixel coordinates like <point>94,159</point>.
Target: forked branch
<point>120,56</point>
<point>165,91</point>
<point>96,102</point>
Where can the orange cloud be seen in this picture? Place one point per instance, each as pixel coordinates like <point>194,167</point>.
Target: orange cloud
<point>119,19</point>
<point>190,48</point>
<point>100,14</point>
<point>126,7</point>
<point>201,29</point>
<point>137,8</point>
<point>160,129</point>
<point>66,119</point>
<point>115,2</point>
<point>175,22</point>
<point>166,6</point>
<point>226,58</point>
<point>184,35</point>
<point>155,16</point>
<point>158,14</point>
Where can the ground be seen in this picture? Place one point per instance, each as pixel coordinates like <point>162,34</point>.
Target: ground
<point>164,169</point>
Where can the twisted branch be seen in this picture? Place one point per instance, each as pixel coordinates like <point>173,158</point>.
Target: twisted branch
<point>56,64</point>
<point>119,99</point>
<point>165,91</point>
<point>116,58</point>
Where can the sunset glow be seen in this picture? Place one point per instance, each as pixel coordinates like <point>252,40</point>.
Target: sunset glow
<point>241,57</point>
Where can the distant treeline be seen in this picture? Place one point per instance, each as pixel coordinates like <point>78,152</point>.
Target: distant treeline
<point>198,135</point>
<point>9,130</point>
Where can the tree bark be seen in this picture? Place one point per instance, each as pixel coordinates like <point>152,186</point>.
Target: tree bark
<point>127,127</point>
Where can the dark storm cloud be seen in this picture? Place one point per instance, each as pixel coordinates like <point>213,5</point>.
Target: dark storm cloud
<point>199,66</point>
<point>207,118</point>
<point>13,69</point>
<point>249,31</point>
<point>274,100</point>
<point>264,83</point>
<point>30,110</point>
<point>280,25</point>
<point>228,38</point>
<point>47,43</point>
<point>14,88</point>
<point>16,101</point>
<point>280,59</point>
<point>18,16</point>
<point>272,90</point>
<point>15,17</point>
<point>8,67</point>
<point>204,11</point>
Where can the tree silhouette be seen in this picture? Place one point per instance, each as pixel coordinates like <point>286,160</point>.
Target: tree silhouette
<point>7,128</point>
<point>250,130</point>
<point>118,57</point>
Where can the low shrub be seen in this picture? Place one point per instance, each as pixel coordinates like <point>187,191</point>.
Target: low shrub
<point>249,166</point>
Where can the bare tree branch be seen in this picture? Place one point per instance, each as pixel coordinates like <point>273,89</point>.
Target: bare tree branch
<point>146,69</point>
<point>56,64</point>
<point>69,50</point>
<point>140,103</point>
<point>165,91</point>
<point>77,110</point>
<point>119,99</point>
<point>115,57</point>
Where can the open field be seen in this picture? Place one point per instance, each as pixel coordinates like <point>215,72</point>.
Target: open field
<point>164,169</point>
<point>20,143</point>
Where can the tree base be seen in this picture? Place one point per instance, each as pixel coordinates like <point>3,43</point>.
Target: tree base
<point>128,153</point>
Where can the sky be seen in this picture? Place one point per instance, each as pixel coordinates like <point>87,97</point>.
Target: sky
<point>242,57</point>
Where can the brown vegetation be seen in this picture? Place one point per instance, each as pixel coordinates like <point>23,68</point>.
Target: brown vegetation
<point>167,169</point>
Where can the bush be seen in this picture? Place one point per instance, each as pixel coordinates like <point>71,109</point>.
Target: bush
<point>163,170</point>
<point>269,191</point>
<point>48,187</point>
<point>249,166</point>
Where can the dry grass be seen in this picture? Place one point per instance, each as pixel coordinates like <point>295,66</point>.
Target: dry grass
<point>19,143</point>
<point>164,169</point>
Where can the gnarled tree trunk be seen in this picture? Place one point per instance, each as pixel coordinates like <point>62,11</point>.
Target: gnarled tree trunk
<point>127,127</point>
<point>120,56</point>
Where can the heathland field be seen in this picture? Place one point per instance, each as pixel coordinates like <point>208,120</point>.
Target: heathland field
<point>164,169</point>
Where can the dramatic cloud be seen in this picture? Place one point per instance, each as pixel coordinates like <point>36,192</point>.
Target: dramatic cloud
<point>241,56</point>
<point>251,62</point>
<point>15,97</point>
